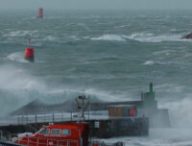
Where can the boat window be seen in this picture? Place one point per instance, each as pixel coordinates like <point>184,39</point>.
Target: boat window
<point>43,131</point>
<point>55,131</point>
<point>66,132</point>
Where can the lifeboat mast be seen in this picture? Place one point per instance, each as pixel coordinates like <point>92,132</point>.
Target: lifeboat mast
<point>82,104</point>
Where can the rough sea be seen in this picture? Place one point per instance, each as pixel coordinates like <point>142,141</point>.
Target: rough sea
<point>111,55</point>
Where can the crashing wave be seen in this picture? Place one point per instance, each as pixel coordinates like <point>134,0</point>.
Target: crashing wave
<point>20,33</point>
<point>150,37</point>
<point>149,62</point>
<point>17,56</point>
<point>109,37</point>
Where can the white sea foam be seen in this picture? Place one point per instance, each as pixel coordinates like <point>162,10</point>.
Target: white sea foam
<point>149,62</point>
<point>164,52</point>
<point>141,37</point>
<point>22,84</point>
<point>50,38</point>
<point>103,95</point>
<point>157,137</point>
<point>17,87</point>
<point>17,56</point>
<point>178,102</point>
<point>150,37</point>
<point>73,92</point>
<point>180,112</point>
<point>83,25</point>
<point>122,26</point>
<point>109,37</point>
<point>13,78</point>
<point>20,33</point>
<point>75,38</point>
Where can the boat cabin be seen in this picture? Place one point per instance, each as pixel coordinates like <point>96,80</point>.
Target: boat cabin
<point>66,134</point>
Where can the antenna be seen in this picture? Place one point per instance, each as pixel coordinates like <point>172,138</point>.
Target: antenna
<point>29,42</point>
<point>28,38</point>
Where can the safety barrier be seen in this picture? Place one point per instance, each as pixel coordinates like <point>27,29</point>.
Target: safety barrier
<point>48,142</point>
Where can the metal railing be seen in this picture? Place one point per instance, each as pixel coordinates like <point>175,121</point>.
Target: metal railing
<point>51,117</point>
<point>48,142</point>
<point>39,118</point>
<point>27,119</point>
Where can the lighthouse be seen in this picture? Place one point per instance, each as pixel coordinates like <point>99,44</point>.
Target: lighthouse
<point>29,52</point>
<point>40,13</point>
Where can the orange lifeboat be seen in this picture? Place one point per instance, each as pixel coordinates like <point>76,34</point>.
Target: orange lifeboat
<point>66,134</point>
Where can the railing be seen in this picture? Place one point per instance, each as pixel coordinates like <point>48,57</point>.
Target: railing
<point>52,117</point>
<point>48,142</point>
<point>39,118</point>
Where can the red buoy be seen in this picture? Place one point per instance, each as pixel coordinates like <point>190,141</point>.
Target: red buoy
<point>29,52</point>
<point>40,13</point>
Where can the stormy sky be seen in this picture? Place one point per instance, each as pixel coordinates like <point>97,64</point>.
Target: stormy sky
<point>96,4</point>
